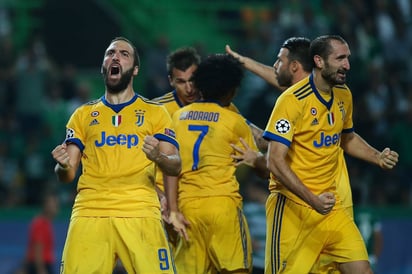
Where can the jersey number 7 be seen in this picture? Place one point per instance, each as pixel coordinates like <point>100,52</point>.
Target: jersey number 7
<point>203,131</point>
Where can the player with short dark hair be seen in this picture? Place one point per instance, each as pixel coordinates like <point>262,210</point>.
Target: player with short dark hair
<point>217,238</point>
<point>310,125</point>
<point>118,139</point>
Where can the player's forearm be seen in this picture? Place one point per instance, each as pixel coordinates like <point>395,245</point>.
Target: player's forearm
<point>170,164</point>
<point>284,174</point>
<point>260,165</point>
<point>171,188</point>
<point>65,173</point>
<point>257,132</point>
<point>355,146</point>
<point>264,71</point>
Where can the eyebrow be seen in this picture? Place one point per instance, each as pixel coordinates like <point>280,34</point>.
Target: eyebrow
<point>121,50</point>
<point>183,80</point>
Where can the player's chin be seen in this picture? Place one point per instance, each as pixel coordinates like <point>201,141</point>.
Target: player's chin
<point>341,79</point>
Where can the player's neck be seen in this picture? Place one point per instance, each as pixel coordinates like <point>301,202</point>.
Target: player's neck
<point>321,85</point>
<point>120,97</point>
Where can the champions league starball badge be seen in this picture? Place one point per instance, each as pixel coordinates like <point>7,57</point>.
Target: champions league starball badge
<point>282,126</point>
<point>69,133</point>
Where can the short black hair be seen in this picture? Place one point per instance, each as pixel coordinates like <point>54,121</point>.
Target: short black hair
<point>136,61</point>
<point>299,50</point>
<point>321,45</point>
<point>182,59</point>
<point>218,76</point>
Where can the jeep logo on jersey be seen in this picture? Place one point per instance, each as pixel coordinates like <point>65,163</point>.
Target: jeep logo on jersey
<point>327,140</point>
<point>130,140</point>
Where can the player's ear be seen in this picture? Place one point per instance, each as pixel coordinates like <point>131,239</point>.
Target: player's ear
<point>295,66</point>
<point>135,70</point>
<point>170,80</point>
<point>318,61</point>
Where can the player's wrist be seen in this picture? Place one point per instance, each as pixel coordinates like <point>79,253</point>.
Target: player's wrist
<point>63,167</point>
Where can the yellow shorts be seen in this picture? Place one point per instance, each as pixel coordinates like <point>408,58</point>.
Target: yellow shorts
<point>325,264</point>
<point>297,234</point>
<point>93,245</point>
<point>219,237</point>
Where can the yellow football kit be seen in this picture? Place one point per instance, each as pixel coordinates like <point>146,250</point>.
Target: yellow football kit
<point>311,124</point>
<point>209,195</point>
<point>172,103</point>
<point>116,209</point>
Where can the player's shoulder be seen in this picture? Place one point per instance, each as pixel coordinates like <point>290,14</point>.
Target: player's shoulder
<point>299,91</point>
<point>165,98</point>
<point>342,88</point>
<point>89,105</point>
<point>148,101</point>
<point>93,102</point>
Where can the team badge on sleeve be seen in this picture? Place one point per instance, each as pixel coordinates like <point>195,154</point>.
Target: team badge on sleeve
<point>170,132</point>
<point>69,133</point>
<point>282,126</point>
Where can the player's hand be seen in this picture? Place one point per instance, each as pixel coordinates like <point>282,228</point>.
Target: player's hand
<point>151,147</point>
<point>245,156</point>
<point>61,156</point>
<point>327,202</point>
<point>233,53</point>
<point>179,223</point>
<point>164,208</point>
<point>388,158</point>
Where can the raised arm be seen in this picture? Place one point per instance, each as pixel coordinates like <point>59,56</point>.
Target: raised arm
<point>264,71</point>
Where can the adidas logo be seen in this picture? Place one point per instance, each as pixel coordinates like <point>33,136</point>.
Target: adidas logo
<point>315,122</point>
<point>94,122</point>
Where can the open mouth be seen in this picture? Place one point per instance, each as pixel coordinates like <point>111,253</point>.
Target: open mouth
<point>114,70</point>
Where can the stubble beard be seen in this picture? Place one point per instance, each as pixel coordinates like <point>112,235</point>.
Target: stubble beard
<point>284,79</point>
<point>331,77</point>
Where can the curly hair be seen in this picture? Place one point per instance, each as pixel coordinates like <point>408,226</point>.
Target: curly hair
<point>218,77</point>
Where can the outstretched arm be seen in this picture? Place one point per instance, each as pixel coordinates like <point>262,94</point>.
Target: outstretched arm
<point>357,147</point>
<point>264,71</point>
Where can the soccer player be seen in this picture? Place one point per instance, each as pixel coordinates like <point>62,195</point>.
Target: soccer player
<point>310,123</point>
<point>217,239</point>
<point>293,64</point>
<point>180,64</point>
<point>118,139</point>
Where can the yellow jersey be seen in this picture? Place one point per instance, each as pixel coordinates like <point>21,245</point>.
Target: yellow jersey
<point>311,126</point>
<point>117,178</point>
<point>172,103</point>
<point>205,131</point>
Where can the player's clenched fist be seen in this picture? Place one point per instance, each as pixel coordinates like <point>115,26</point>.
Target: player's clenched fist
<point>388,159</point>
<point>151,147</point>
<point>61,156</point>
